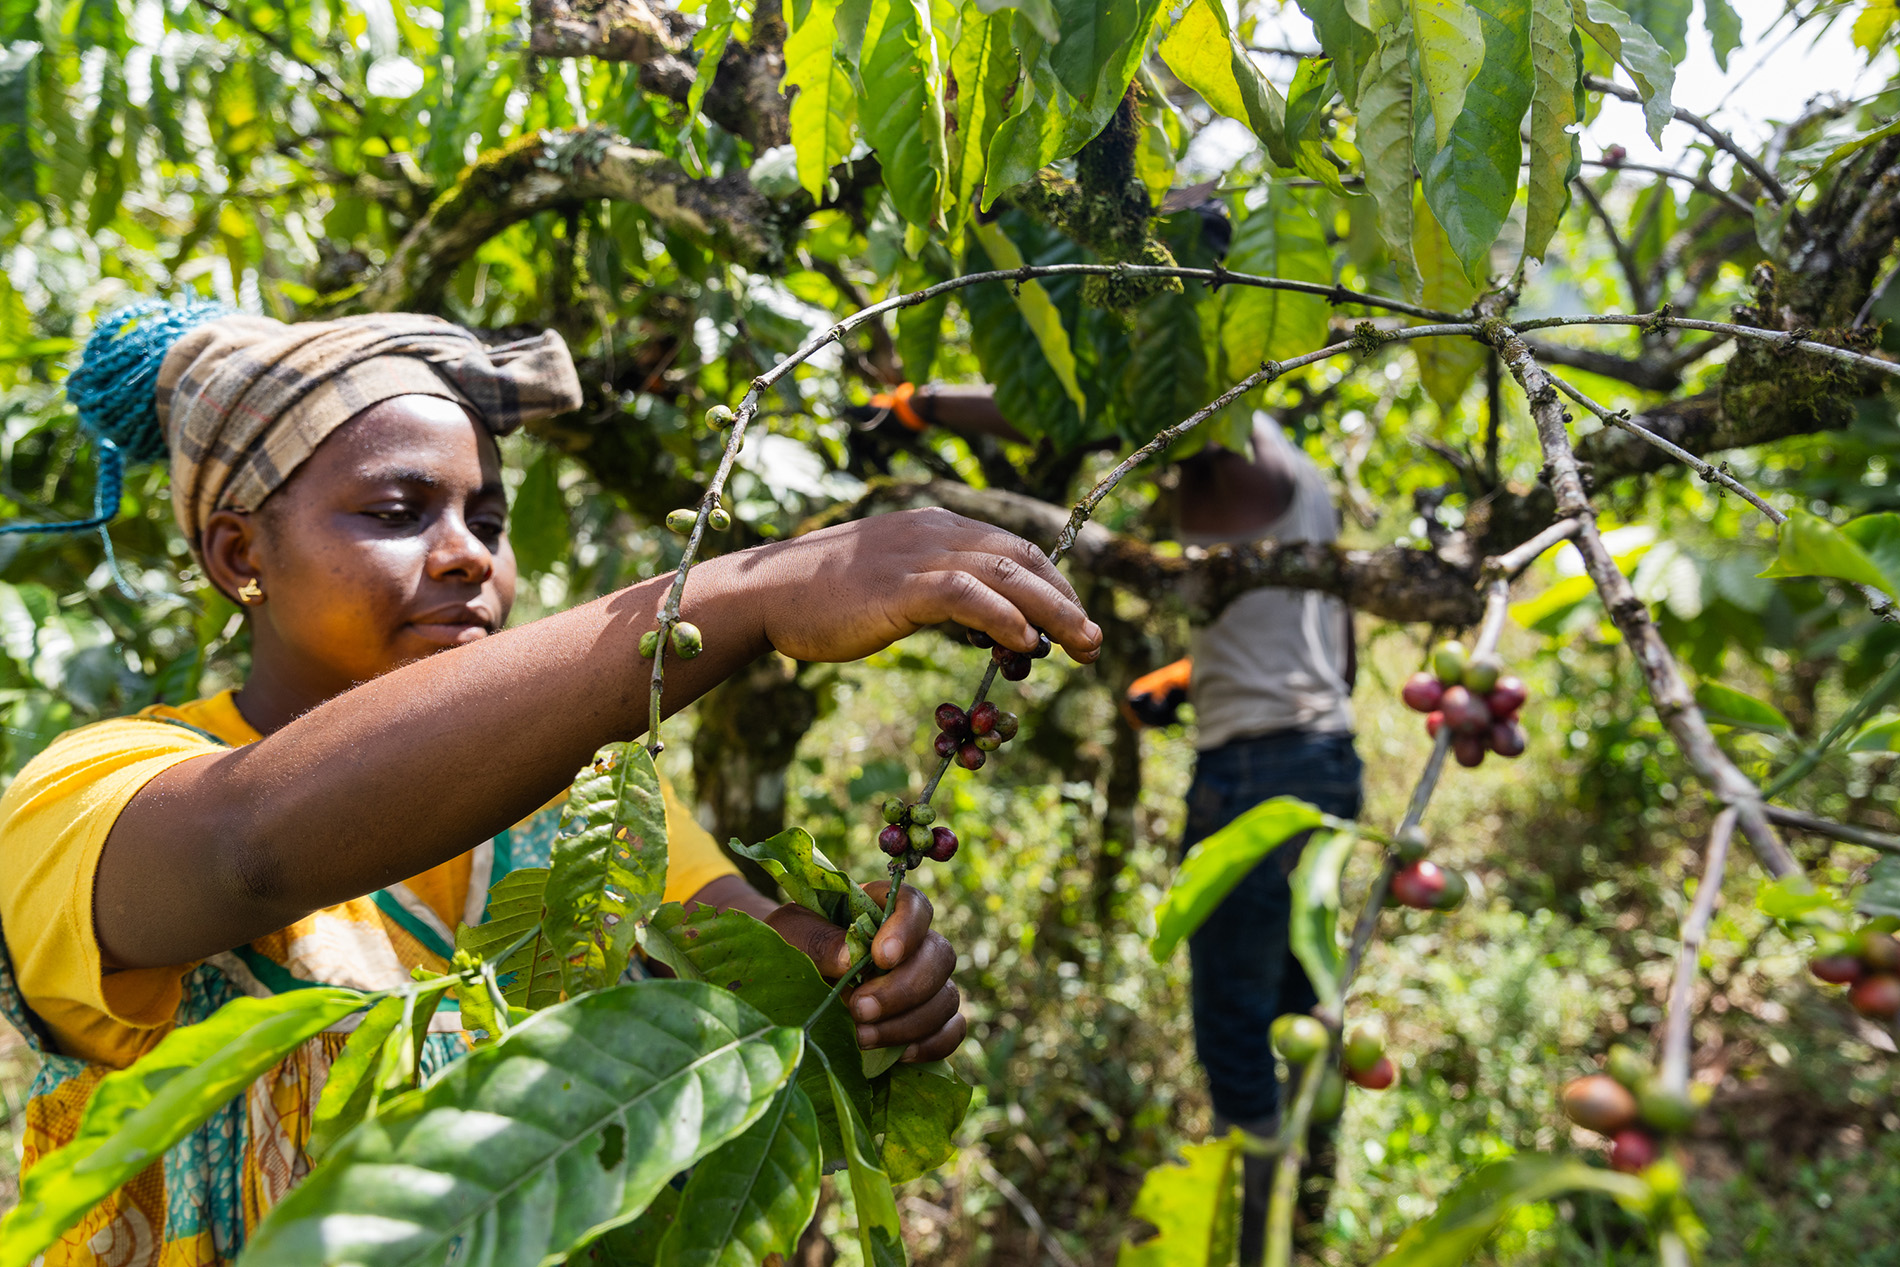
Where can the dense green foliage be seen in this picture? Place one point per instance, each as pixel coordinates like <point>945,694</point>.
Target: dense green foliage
<point>634,179</point>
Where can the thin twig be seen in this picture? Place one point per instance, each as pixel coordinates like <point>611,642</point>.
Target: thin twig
<point>1723,140</point>
<point>1873,296</point>
<point>1867,703</point>
<point>1677,1024</point>
<point>1702,183</point>
<point>1847,833</point>
<point>1015,1197</point>
<point>1286,1172</point>
<point>1620,419</point>
<point>1511,563</point>
<point>1787,342</point>
<point>1625,257</point>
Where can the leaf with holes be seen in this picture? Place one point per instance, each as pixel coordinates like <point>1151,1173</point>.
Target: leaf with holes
<point>531,976</point>
<point>809,878</point>
<point>529,1148</point>
<point>752,1198</point>
<point>608,868</point>
<point>136,1114</point>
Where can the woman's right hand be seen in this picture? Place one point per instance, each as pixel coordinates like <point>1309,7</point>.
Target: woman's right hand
<point>846,591</point>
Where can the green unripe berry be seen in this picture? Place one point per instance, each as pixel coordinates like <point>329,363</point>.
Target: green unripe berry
<point>895,811</point>
<point>990,742</point>
<point>920,837</point>
<point>719,416</point>
<point>682,520</point>
<point>1670,1112</point>
<point>1452,896</point>
<point>1448,662</point>
<point>1410,844</point>
<point>1363,1051</point>
<point>649,643</point>
<point>1482,673</point>
<point>686,641</point>
<point>1299,1039</point>
<point>1627,1067</point>
<point>720,519</point>
<point>922,814</point>
<point>1331,1100</point>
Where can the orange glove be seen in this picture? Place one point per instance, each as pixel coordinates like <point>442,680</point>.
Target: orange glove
<point>897,400</point>
<point>1155,699</point>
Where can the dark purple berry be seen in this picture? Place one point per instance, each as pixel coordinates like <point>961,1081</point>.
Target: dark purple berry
<point>1016,668</point>
<point>947,744</point>
<point>943,844</point>
<point>1006,725</point>
<point>988,743</point>
<point>894,839</point>
<point>980,639</point>
<point>983,718</point>
<point>971,757</point>
<point>951,719</point>
<point>1043,646</point>
<point>1508,738</point>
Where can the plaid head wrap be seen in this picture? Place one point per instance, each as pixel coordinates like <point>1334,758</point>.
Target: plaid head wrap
<point>244,400</point>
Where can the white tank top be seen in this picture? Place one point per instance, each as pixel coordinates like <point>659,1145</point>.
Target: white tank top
<point>1275,659</point>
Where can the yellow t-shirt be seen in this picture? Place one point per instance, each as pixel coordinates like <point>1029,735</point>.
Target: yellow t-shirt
<point>54,820</point>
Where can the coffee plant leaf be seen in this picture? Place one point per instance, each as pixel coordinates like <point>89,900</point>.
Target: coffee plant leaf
<point>1470,177</point>
<point>902,110</point>
<point>1811,546</point>
<point>809,878</point>
<point>1637,52</point>
<point>1384,138</point>
<point>637,1244</point>
<point>1011,358</point>
<point>1093,32</point>
<point>1724,27</point>
<point>710,44</point>
<point>1203,54</point>
<point>732,950</point>
<point>531,976</point>
<point>1312,933</point>
<point>1880,895</point>
<point>1445,366</point>
<point>1726,706</point>
<point>1346,35</point>
<point>752,1198</point>
<point>538,525</point>
<point>1282,237</point>
<point>1038,313</point>
<point>529,1148</point>
<point>1192,1208</point>
<point>1795,899</point>
<point>1880,735</point>
<point>350,1086</point>
<point>1556,151</point>
<point>608,869</point>
<point>879,1233</point>
<point>1450,41</point>
<point>919,1110</point>
<point>824,113</point>
<point>1041,15</point>
<point>139,1112</point>
<point>1878,537</point>
<point>1220,862</point>
<point>1471,1212</point>
<point>985,66</point>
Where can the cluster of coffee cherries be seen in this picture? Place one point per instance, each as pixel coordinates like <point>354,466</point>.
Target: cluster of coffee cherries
<point>1475,697</point>
<point>1630,1107</point>
<point>1301,1040</point>
<point>1013,665</point>
<point>909,834</point>
<point>971,737</point>
<point>1420,883</point>
<point>1868,964</point>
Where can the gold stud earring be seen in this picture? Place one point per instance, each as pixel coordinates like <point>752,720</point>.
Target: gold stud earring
<point>251,592</point>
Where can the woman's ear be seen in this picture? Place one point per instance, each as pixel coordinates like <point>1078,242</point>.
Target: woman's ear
<point>230,550</point>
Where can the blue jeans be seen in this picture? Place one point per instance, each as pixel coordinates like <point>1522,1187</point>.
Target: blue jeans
<point>1244,974</point>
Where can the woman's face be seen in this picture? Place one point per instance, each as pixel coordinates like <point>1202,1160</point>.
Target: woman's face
<point>388,544</point>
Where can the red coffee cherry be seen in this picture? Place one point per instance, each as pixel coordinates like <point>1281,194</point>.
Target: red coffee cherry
<point>983,718</point>
<point>947,744</point>
<point>1836,969</point>
<point>952,720</point>
<point>1464,712</point>
<point>894,839</point>
<point>943,844</point>
<point>1434,722</point>
<point>1382,1075</point>
<point>980,639</point>
<point>1507,696</point>
<point>1419,885</point>
<point>1043,646</point>
<point>1016,667</point>
<point>1422,692</point>
<point>1632,1150</point>
<point>1469,749</point>
<point>1876,996</point>
<point>1006,726</point>
<point>1508,738</point>
<point>971,757</point>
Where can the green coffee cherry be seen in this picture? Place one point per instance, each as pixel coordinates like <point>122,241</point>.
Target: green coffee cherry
<point>1668,1111</point>
<point>686,641</point>
<point>1299,1039</point>
<point>682,520</point>
<point>720,519</point>
<point>649,643</point>
<point>719,417</point>
<point>1363,1051</point>
<point>923,815</point>
<point>1627,1067</point>
<point>1482,673</point>
<point>895,811</point>
<point>1410,845</point>
<point>1331,1101</point>
<point>920,838</point>
<point>1448,662</point>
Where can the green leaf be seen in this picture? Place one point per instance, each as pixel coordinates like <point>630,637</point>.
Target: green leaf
<point>137,1113</point>
<point>1313,930</point>
<point>919,1111</point>
<point>1038,312</point>
<point>1471,1212</point>
<point>1725,29</point>
<point>1796,899</point>
<point>349,1090</point>
<point>1011,360</point>
<point>608,868</point>
<point>19,180</point>
<point>530,1147</point>
<point>1556,153</point>
<point>1878,537</point>
<point>1880,895</point>
<point>1192,1208</point>
<point>738,953</point>
<point>1166,377</point>
<point>1203,54</point>
<point>1445,366</point>
<point>824,114</point>
<point>1667,20</point>
<point>1471,178</point>
<point>710,45</point>
<point>1631,47</point>
<point>879,1232</point>
<point>637,1244</point>
<point>1385,144</point>
<point>809,878</point>
<point>1040,13</point>
<point>537,523</point>
<point>753,1197</point>
<point>1811,546</point>
<point>1729,707</point>
<point>902,110</point>
<point>1450,41</point>
<point>1879,735</point>
<point>1346,37</point>
<point>1093,32</point>
<point>1221,861</point>
<point>515,905</point>
<point>1284,237</point>
<point>986,68</point>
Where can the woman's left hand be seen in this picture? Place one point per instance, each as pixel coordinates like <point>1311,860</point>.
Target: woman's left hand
<point>913,1004</point>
